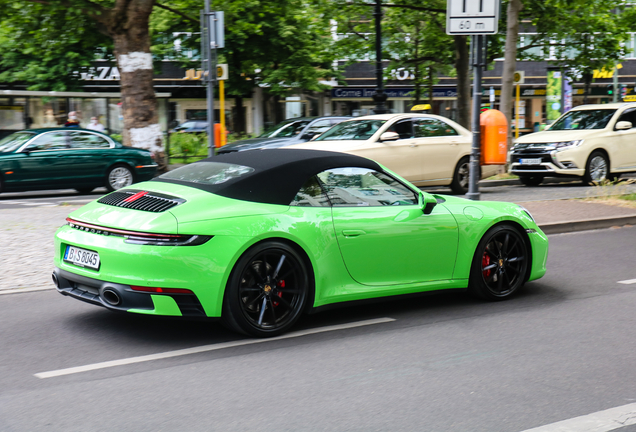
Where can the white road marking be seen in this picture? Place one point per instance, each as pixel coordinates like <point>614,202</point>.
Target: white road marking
<point>627,282</point>
<point>23,290</point>
<point>205,348</point>
<point>600,421</point>
<point>39,204</point>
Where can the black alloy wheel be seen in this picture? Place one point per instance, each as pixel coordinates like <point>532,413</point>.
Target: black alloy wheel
<point>267,291</point>
<point>531,180</point>
<point>500,264</point>
<point>461,176</point>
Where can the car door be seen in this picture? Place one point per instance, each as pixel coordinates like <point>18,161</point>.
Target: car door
<point>402,155</point>
<point>383,235</point>
<point>91,155</point>
<point>315,129</point>
<point>46,162</point>
<point>440,145</point>
<point>622,146</point>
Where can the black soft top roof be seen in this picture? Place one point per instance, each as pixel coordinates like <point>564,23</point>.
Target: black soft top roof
<point>278,173</point>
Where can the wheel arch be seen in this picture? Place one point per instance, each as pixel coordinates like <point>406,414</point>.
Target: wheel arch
<point>299,249</point>
<point>522,231</point>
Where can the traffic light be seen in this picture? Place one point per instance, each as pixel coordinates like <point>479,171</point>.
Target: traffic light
<point>610,89</point>
<point>623,91</point>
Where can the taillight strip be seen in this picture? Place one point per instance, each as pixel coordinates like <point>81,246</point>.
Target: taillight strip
<point>123,232</point>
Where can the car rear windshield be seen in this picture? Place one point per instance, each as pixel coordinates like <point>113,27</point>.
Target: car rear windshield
<point>14,141</point>
<point>211,173</point>
<point>352,130</point>
<point>584,119</point>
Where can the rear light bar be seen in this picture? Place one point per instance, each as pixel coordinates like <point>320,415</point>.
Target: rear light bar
<point>141,238</point>
<point>158,290</point>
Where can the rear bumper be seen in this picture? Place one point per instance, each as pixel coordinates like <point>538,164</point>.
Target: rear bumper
<point>145,172</point>
<point>123,298</point>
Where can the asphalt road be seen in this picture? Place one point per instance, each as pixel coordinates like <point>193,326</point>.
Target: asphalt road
<point>561,349</point>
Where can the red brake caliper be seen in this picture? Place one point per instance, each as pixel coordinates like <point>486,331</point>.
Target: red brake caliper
<point>485,261</point>
<point>281,284</point>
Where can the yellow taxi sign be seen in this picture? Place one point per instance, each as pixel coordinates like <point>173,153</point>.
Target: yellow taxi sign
<point>630,98</point>
<point>221,72</point>
<point>421,107</point>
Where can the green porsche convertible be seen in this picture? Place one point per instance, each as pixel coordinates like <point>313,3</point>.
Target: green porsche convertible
<point>257,238</point>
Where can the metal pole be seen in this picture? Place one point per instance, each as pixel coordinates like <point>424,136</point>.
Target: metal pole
<point>615,82</point>
<point>477,57</point>
<point>211,73</point>
<point>379,97</point>
<point>517,113</point>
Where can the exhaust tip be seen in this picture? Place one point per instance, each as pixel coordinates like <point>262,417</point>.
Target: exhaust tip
<point>111,297</point>
<point>55,281</point>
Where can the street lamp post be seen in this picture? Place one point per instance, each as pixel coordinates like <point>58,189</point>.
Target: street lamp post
<point>379,97</point>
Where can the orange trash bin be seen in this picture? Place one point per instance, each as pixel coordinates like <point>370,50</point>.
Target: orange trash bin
<point>494,137</point>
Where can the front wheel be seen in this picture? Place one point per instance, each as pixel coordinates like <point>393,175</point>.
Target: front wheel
<point>267,291</point>
<point>118,177</point>
<point>500,264</point>
<point>596,169</point>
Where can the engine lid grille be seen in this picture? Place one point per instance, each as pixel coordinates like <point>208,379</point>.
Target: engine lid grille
<point>141,200</point>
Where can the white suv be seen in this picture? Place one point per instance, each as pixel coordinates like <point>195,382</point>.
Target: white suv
<point>593,142</point>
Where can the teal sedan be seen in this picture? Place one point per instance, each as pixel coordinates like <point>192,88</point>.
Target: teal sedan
<point>57,158</point>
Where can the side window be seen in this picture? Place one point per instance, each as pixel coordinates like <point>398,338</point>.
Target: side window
<point>318,127</point>
<point>311,195</point>
<point>88,140</point>
<point>429,127</point>
<point>364,187</point>
<point>49,141</point>
<point>404,128</point>
<point>628,115</point>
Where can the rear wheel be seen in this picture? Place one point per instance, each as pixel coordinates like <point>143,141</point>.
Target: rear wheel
<point>500,264</point>
<point>118,177</point>
<point>531,180</point>
<point>597,168</point>
<point>267,291</point>
<point>461,176</point>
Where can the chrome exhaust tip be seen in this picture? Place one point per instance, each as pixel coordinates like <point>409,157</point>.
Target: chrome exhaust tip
<point>55,281</point>
<point>111,297</point>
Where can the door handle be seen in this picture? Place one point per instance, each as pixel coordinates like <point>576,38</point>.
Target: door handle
<point>352,233</point>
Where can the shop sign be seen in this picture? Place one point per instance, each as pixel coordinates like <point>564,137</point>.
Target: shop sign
<point>101,73</point>
<point>366,93</point>
<point>553,96</point>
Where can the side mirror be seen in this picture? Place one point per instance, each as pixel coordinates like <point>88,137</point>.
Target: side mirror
<point>623,125</point>
<point>428,203</point>
<point>389,136</point>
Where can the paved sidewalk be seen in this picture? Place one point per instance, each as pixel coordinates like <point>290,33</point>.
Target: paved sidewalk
<point>26,235</point>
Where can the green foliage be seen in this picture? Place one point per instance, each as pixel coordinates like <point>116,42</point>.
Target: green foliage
<point>117,137</point>
<point>188,144</point>
<point>43,45</point>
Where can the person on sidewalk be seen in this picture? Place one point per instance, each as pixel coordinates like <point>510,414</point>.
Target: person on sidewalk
<point>95,125</point>
<point>72,121</point>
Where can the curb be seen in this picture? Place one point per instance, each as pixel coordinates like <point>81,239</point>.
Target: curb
<point>586,225</point>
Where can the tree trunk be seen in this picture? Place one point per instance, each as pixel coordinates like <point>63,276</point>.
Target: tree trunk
<point>127,24</point>
<point>430,87</point>
<point>463,81</point>
<point>510,62</point>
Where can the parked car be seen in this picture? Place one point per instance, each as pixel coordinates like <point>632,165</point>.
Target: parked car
<point>590,142</point>
<point>38,159</point>
<point>425,149</point>
<point>192,126</point>
<point>258,238</point>
<point>292,131</point>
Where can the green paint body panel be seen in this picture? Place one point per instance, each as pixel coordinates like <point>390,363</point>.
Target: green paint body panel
<point>354,253</point>
<point>164,306</point>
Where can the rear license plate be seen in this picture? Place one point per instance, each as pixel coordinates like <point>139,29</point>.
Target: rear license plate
<point>81,257</point>
<point>534,161</point>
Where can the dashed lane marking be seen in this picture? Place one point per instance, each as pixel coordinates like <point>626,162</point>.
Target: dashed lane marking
<point>205,348</point>
<point>600,421</point>
<point>627,282</point>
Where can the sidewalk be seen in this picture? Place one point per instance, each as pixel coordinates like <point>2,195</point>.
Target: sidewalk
<point>27,235</point>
